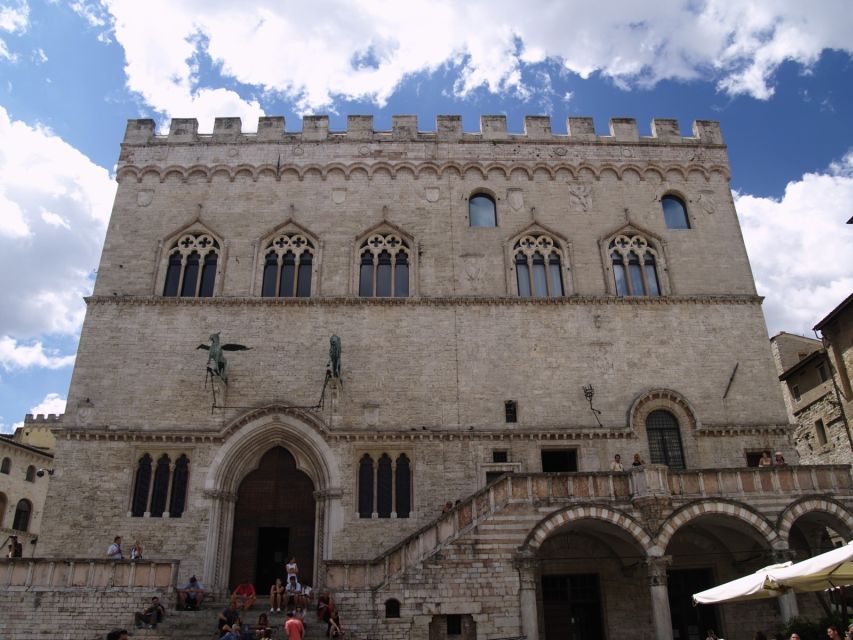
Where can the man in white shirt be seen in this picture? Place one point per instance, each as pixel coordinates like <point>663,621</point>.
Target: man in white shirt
<point>114,550</point>
<point>293,591</point>
<point>191,594</point>
<point>616,465</point>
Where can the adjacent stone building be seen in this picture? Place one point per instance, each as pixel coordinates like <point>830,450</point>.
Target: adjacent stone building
<point>26,461</point>
<point>514,310</point>
<point>815,377</point>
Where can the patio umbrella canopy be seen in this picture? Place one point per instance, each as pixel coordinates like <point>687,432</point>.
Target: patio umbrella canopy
<point>751,587</point>
<point>826,571</point>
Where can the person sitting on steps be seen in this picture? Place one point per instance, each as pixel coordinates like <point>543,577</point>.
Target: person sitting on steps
<point>276,595</point>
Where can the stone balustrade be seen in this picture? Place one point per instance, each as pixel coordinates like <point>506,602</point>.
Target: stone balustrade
<point>54,574</point>
<point>767,484</point>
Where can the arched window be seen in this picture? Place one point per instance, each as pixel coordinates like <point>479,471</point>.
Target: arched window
<point>674,212</point>
<point>403,488</point>
<point>31,474</point>
<point>538,267</point>
<point>180,477</point>
<point>384,267</point>
<point>3,505</point>
<point>634,264</point>
<point>392,608</point>
<point>22,515</point>
<point>141,483</point>
<point>191,271</point>
<point>482,211</point>
<point>388,483</point>
<point>6,466</point>
<point>161,487</point>
<point>664,439</point>
<point>383,486</point>
<point>365,486</point>
<point>288,267</point>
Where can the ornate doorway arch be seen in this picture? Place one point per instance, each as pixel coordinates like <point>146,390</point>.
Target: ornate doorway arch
<point>247,440</point>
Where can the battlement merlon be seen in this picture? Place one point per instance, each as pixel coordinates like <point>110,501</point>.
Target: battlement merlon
<point>405,128</point>
<point>42,418</point>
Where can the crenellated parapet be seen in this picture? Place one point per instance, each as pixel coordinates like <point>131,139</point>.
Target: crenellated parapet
<point>41,418</point>
<point>404,128</point>
<point>580,154</point>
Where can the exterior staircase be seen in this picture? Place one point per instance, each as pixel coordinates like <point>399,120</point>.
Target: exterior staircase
<point>201,625</point>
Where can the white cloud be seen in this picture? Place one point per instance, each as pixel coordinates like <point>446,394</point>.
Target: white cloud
<point>19,356</point>
<point>54,206</point>
<point>14,17</point>
<point>800,247</point>
<point>315,52</point>
<point>39,56</point>
<point>51,403</point>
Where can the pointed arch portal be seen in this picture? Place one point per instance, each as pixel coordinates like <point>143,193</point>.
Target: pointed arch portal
<point>274,520</point>
<point>274,491</point>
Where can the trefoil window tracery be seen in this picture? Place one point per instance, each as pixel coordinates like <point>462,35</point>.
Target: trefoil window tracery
<point>634,263</point>
<point>191,271</point>
<point>288,267</point>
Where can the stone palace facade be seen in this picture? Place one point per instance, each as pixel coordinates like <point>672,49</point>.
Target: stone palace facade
<point>514,310</point>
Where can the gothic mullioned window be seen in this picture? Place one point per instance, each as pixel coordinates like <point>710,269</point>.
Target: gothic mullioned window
<point>634,264</point>
<point>288,266</point>
<point>384,267</point>
<point>169,486</point>
<point>538,267</point>
<point>191,272</point>
<point>387,484</point>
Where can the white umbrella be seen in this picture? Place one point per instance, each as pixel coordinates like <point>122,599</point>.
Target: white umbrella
<point>752,587</point>
<point>826,571</point>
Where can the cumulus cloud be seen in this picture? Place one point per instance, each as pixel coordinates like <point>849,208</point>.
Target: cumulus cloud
<point>51,403</point>
<point>21,356</point>
<point>54,206</point>
<point>14,18</point>
<point>800,247</point>
<point>316,52</point>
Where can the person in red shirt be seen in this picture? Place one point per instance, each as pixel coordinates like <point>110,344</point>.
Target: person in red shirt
<point>294,627</point>
<point>245,594</point>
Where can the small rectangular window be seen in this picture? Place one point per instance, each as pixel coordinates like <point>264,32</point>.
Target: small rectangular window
<point>795,391</point>
<point>559,460</point>
<point>511,410</point>
<point>454,625</point>
<point>821,371</point>
<point>752,458</point>
<point>820,431</point>
<point>500,456</point>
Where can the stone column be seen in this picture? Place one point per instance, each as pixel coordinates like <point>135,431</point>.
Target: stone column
<point>528,565</point>
<point>217,559</point>
<point>661,617</point>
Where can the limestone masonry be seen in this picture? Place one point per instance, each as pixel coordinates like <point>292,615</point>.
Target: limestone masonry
<point>514,310</point>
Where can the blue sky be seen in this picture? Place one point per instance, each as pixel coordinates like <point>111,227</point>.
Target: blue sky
<point>779,76</point>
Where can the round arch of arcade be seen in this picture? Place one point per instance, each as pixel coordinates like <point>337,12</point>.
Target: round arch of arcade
<point>726,508</point>
<point>555,521</point>
<point>806,506</point>
<point>246,440</point>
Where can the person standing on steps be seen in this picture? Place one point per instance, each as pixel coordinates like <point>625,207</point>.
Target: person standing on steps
<point>294,627</point>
